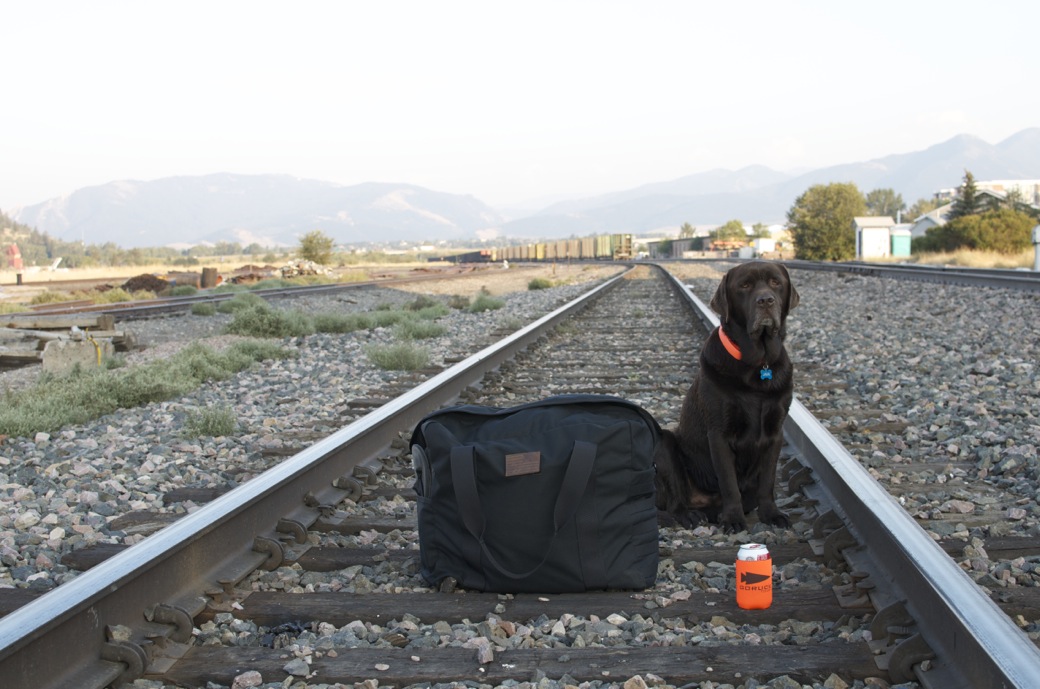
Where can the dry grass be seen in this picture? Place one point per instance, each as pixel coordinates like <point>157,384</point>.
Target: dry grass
<point>978,259</point>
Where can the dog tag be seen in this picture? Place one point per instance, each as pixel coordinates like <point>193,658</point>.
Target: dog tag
<point>765,374</point>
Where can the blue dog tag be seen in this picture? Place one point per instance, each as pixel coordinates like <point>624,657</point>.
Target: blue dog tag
<point>766,373</point>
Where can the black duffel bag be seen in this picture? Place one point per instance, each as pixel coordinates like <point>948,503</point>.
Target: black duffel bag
<point>553,496</point>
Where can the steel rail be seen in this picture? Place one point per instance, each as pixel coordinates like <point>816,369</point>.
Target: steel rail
<point>169,304</point>
<point>1024,280</point>
<point>62,639</point>
<point>976,643</point>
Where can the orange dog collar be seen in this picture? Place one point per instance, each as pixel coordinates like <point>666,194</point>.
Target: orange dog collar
<point>729,344</point>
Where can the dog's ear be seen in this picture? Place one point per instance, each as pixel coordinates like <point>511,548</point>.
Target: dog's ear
<point>792,293</point>
<point>720,303</point>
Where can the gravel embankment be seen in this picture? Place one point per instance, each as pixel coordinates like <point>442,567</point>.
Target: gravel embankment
<point>934,388</point>
<point>62,491</point>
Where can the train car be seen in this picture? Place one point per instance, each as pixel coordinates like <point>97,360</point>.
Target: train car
<point>621,247</point>
<point>588,248</point>
<point>480,256</point>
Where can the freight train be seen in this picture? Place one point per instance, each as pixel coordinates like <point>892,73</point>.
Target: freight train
<point>604,247</point>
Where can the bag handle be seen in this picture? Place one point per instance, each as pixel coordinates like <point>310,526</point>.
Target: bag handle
<point>575,479</point>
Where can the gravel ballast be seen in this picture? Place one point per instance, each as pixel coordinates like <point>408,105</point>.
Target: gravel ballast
<point>938,402</point>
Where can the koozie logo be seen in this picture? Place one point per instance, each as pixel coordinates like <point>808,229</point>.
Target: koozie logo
<point>749,578</point>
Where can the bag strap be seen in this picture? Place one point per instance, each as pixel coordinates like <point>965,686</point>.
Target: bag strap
<point>575,479</point>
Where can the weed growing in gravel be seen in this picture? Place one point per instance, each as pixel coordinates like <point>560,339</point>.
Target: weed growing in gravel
<point>84,395</point>
<point>212,421</point>
<point>433,312</point>
<point>421,302</point>
<point>418,330</point>
<point>118,295</point>
<point>341,322</point>
<point>241,300</point>
<point>403,356</point>
<point>539,283</point>
<point>48,297</point>
<point>458,302</point>
<point>485,302</point>
<point>204,308</point>
<point>183,291</point>
<point>261,320</point>
<point>228,287</point>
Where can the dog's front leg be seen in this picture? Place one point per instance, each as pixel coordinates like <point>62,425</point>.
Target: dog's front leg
<point>724,462</point>
<point>768,512</point>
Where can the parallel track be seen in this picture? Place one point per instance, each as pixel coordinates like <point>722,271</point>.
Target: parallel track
<point>134,613</point>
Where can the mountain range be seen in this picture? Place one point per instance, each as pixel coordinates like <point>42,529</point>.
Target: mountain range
<point>279,209</point>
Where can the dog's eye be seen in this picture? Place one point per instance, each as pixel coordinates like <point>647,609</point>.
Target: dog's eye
<point>745,285</point>
<point>774,282</point>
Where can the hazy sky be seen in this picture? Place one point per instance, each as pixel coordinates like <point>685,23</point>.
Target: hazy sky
<point>508,101</point>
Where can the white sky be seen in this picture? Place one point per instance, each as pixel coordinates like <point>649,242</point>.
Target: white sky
<point>508,101</point>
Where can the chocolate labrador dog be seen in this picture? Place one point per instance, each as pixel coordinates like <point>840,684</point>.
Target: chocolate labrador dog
<point>720,462</point>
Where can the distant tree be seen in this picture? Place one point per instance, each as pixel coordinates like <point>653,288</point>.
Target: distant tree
<point>316,246</point>
<point>968,201</point>
<point>884,202</point>
<point>732,231</point>
<point>759,230</point>
<point>686,231</point>
<point>921,207</point>
<point>820,221</point>
<point>1004,231</point>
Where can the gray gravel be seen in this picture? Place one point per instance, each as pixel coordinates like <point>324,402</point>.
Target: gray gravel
<point>935,389</point>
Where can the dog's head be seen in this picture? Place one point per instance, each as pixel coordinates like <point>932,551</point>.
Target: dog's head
<point>756,297</point>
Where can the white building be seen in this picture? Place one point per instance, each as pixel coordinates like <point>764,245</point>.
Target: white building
<point>873,239</point>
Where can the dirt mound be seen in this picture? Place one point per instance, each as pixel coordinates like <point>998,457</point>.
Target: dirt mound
<point>146,282</point>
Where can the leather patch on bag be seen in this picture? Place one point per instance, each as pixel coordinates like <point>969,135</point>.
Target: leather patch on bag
<point>523,463</point>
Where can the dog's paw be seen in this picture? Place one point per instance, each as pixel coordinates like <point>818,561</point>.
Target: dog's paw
<point>733,523</point>
<point>774,517</point>
<point>690,519</point>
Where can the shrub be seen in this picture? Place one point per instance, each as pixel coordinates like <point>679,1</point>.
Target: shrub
<point>183,291</point>
<point>421,302</point>
<point>57,401</point>
<point>432,313</point>
<point>402,356</point>
<point>48,297</point>
<point>204,308</point>
<point>241,300</point>
<point>264,321</point>
<point>539,283</point>
<point>458,302</point>
<point>342,322</point>
<point>211,421</point>
<point>117,295</point>
<point>418,330</point>
<point>485,302</point>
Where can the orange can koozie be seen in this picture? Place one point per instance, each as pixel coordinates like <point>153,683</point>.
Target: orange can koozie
<point>754,577</point>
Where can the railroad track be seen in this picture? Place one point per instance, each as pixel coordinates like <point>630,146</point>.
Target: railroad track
<point>243,576</point>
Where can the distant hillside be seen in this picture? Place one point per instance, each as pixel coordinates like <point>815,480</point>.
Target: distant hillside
<point>757,194</point>
<point>278,209</point>
<point>267,209</point>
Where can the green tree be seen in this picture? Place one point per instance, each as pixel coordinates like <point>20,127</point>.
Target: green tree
<point>732,231</point>
<point>885,202</point>
<point>820,221</point>
<point>759,230</point>
<point>686,230</point>
<point>921,207</point>
<point>316,246</point>
<point>1004,231</point>
<point>968,201</point>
